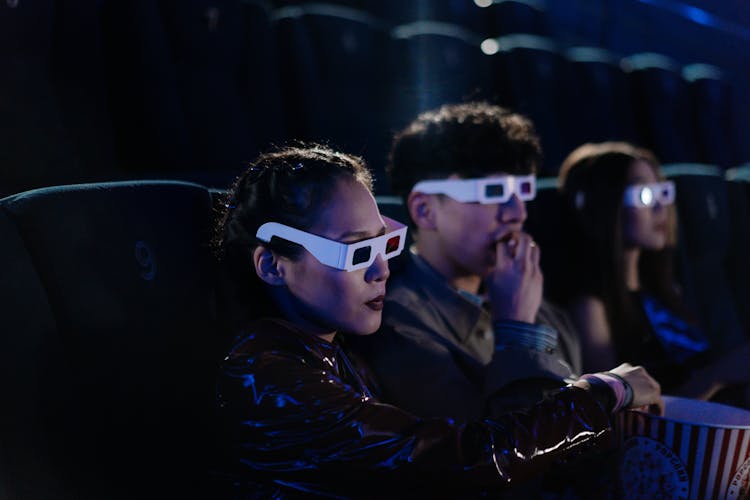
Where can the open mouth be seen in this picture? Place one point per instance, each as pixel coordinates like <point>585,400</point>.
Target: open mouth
<point>504,239</point>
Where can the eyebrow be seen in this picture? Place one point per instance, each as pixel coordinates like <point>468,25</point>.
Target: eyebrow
<point>360,235</point>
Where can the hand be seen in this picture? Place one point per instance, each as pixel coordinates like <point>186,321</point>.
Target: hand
<point>515,284</point>
<point>646,390</point>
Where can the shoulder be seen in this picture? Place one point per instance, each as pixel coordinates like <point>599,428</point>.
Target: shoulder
<point>409,311</point>
<point>588,305</point>
<point>273,362</point>
<point>589,314</point>
<point>270,338</point>
<point>404,339</point>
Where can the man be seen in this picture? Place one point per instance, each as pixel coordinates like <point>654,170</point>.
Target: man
<point>465,331</point>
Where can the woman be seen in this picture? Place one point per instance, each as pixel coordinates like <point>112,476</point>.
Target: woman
<point>301,416</point>
<point>620,228</point>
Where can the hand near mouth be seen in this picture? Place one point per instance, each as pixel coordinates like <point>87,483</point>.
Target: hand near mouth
<point>516,283</point>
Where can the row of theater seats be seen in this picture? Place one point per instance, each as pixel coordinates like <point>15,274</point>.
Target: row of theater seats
<point>484,17</point>
<point>109,338</point>
<point>356,83</point>
<point>106,90</point>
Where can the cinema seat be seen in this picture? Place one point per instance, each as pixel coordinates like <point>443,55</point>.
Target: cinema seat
<point>333,78</point>
<point>545,223</point>
<point>711,98</point>
<point>434,63</point>
<point>108,348</point>
<point>54,114</point>
<point>598,106</point>
<point>504,17</point>
<point>663,114</point>
<point>528,71</point>
<point>738,182</point>
<point>705,223</point>
<point>34,379</point>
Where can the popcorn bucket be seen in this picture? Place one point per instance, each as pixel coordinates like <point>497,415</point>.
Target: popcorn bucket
<point>697,450</point>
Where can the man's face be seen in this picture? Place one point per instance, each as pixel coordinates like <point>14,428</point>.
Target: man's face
<point>467,233</point>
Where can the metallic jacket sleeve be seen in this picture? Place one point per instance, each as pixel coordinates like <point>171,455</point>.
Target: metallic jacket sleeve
<point>298,423</point>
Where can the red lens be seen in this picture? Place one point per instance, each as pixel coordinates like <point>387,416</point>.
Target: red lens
<point>525,187</point>
<point>392,244</point>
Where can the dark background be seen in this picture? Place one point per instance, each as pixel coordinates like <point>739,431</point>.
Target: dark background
<point>94,90</point>
<point>108,293</point>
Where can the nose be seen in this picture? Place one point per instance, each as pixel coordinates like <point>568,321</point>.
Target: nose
<point>658,206</point>
<point>512,211</point>
<point>378,270</point>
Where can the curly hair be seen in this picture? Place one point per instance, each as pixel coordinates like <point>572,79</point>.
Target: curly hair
<point>471,139</point>
<point>288,185</point>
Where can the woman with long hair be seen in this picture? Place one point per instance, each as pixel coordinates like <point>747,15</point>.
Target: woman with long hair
<point>620,226</point>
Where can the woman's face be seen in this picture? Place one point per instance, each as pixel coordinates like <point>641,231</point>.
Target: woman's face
<point>324,299</point>
<point>644,227</point>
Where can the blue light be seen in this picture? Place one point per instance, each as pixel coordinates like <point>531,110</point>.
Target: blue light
<point>700,16</point>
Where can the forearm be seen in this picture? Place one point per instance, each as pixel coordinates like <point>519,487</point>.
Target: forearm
<point>526,443</point>
<point>524,352</point>
<point>326,428</point>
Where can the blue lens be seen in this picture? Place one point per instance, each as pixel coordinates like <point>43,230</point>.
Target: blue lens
<point>494,191</point>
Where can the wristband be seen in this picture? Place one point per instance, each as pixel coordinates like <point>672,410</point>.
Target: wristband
<point>628,389</point>
<point>622,391</point>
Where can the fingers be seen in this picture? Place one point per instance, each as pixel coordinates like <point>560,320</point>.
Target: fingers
<point>622,369</point>
<point>527,252</point>
<point>535,255</point>
<point>646,390</point>
<point>654,408</point>
<point>505,253</point>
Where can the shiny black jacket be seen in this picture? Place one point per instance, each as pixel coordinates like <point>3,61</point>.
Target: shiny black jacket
<point>301,420</point>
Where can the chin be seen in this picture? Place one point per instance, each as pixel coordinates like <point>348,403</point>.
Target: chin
<point>657,244</point>
<point>365,327</point>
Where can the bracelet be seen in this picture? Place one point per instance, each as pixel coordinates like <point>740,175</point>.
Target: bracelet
<point>628,389</point>
<point>623,393</point>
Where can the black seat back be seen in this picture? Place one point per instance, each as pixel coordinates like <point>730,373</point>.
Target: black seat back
<point>705,225</point>
<point>127,274</point>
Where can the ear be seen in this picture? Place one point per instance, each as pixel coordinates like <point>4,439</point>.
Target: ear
<point>267,266</point>
<point>421,210</point>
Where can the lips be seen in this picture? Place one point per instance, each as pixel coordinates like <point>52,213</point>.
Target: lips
<point>505,236</point>
<point>376,304</point>
<point>501,239</point>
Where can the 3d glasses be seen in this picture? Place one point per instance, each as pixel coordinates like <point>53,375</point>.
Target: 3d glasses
<point>485,190</point>
<point>646,195</point>
<point>343,256</point>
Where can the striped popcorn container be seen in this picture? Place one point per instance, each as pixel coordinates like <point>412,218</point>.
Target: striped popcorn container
<point>696,450</point>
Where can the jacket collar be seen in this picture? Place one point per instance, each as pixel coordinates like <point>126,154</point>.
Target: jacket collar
<point>462,314</point>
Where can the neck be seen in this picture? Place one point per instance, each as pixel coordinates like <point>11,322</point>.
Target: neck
<point>630,262</point>
<point>448,270</point>
<point>291,311</point>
